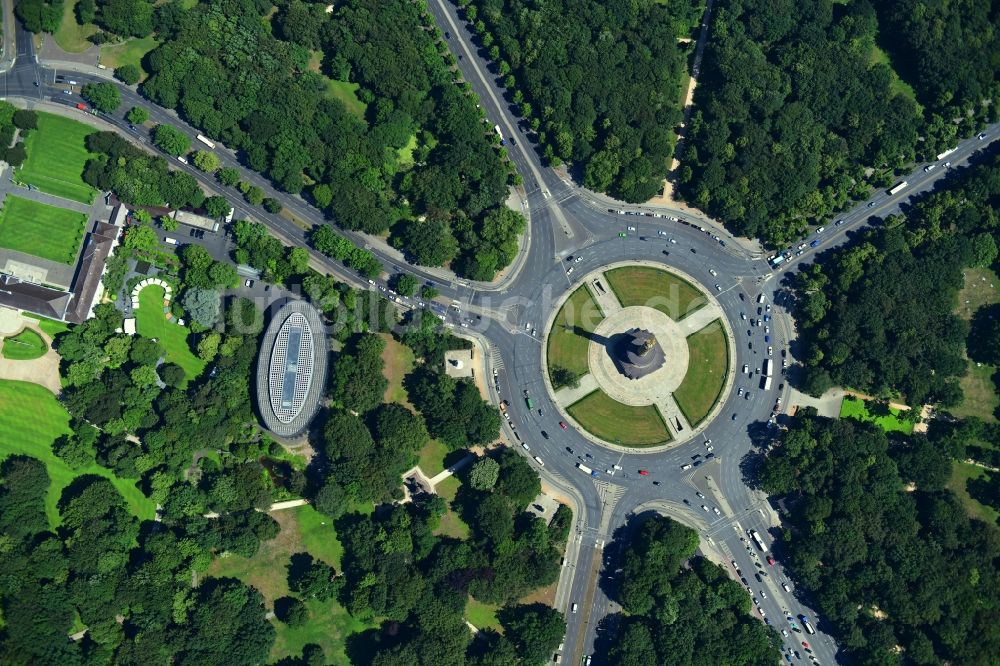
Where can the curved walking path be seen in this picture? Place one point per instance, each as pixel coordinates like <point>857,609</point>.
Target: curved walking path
<point>43,371</point>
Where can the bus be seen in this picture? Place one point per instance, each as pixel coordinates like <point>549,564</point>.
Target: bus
<point>767,367</point>
<point>205,140</point>
<point>945,154</point>
<point>757,540</point>
<point>898,187</point>
<point>496,128</point>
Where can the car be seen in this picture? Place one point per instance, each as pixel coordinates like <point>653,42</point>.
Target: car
<point>757,576</point>
<point>814,243</point>
<point>569,271</point>
<point>643,472</point>
<point>784,586</point>
<point>767,330</point>
<point>673,241</point>
<point>743,316</point>
<point>734,417</point>
<point>871,204</point>
<point>562,424</point>
<point>539,461</point>
<point>755,602</point>
<point>525,446</point>
<point>698,462</point>
<point>747,395</point>
<point>718,288</point>
<point>712,271</point>
<point>770,350</point>
<point>770,560</point>
<point>621,234</point>
<point>248,284</point>
<point>839,222</point>
<point>569,450</point>
<point>578,260</point>
<point>574,608</point>
<point>705,508</point>
<point>804,644</point>
<point>631,228</point>
<point>981,136</point>
<point>546,436</point>
<point>656,483</point>
<point>447,35</point>
<point>716,510</point>
<point>746,369</point>
<point>784,632</point>
<point>699,495</point>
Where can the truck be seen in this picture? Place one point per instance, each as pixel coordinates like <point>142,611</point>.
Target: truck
<point>898,187</point>
<point>757,540</point>
<point>807,625</point>
<point>767,367</point>
<point>528,402</point>
<point>945,154</point>
<point>586,470</point>
<point>205,140</point>
<point>496,128</point>
<point>776,260</point>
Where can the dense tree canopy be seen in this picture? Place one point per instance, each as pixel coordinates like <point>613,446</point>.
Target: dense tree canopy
<point>878,315</point>
<point>683,609</point>
<point>888,567</point>
<point>600,83</point>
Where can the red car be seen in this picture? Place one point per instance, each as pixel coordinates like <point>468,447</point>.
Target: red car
<point>770,560</point>
<point>804,644</point>
<point>562,424</point>
<point>643,472</point>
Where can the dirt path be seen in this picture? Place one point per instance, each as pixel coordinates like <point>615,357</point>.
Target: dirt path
<point>43,371</point>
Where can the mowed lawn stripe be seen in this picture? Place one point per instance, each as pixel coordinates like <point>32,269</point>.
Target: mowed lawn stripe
<point>708,360</point>
<point>655,288</point>
<point>57,155</point>
<point>41,230</point>
<point>567,348</point>
<point>613,421</point>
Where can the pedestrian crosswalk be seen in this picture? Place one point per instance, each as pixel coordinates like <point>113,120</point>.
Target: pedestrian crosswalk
<point>496,360</point>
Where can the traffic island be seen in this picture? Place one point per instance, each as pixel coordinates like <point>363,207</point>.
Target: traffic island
<point>638,357</point>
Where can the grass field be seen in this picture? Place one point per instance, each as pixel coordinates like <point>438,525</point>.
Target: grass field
<point>623,424</point>
<point>24,346</point>
<point>405,154</point>
<point>897,86</point>
<point>432,457</point>
<point>640,285</point>
<point>397,361</point>
<point>960,473</point>
<point>131,51</point>
<point>347,93</point>
<point>56,158</point>
<point>708,362</point>
<point>151,323</point>
<point>567,348</point>
<point>329,624</point>
<point>41,230</point>
<point>71,36</point>
<point>30,420</point>
<point>857,409</point>
<point>981,288</point>
<point>482,616</point>
<point>50,327</point>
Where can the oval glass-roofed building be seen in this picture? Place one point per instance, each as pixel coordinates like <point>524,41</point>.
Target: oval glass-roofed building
<point>291,369</point>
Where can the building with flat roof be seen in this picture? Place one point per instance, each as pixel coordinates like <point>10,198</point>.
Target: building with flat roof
<point>291,369</point>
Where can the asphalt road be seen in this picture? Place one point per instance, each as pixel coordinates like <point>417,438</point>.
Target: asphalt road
<point>568,220</point>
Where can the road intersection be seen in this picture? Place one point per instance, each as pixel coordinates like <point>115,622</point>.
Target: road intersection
<point>567,220</point>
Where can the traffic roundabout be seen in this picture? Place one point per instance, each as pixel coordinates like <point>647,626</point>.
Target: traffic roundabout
<point>637,356</point>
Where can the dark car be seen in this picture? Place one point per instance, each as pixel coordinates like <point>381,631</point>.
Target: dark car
<point>546,436</point>
<point>569,450</point>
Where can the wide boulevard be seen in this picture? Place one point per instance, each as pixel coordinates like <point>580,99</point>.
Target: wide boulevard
<point>509,318</point>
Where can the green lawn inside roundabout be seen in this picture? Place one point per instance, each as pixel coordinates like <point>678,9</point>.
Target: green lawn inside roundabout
<point>642,285</point>
<point>647,355</point>
<point>614,422</point>
<point>706,375</point>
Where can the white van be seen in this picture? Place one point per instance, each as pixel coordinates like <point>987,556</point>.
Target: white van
<point>170,241</point>
<point>574,608</point>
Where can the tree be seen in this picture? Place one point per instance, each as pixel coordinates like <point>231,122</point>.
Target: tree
<point>137,115</point>
<point>208,346</point>
<point>984,335</point>
<point>216,206</point>
<point>534,629</point>
<point>484,473</point>
<point>25,119</point>
<point>291,611</point>
<point>141,239</point>
<point>171,140</point>
<point>312,578</point>
<point>86,11</point>
<point>145,351</point>
<point>128,74</point>
<point>104,96</point>
<point>564,377</point>
<point>406,284</point>
<point>39,15</point>
<point>207,161</point>
<point>203,306</point>
<point>15,155</point>
<point>272,205</point>
<point>254,195</point>
<point>172,374</point>
<point>228,176</point>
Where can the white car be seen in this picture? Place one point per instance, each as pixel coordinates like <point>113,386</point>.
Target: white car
<point>525,446</point>
<point>704,507</point>
<point>569,271</point>
<point>770,350</point>
<point>821,230</point>
<point>673,241</point>
<point>539,461</point>
<point>631,228</point>
<point>718,288</point>
<point>712,271</point>
<point>739,391</point>
<point>716,510</point>
<point>746,369</point>
<point>699,495</point>
<point>784,632</point>
<point>763,595</point>
<point>578,260</point>
<point>661,233</point>
<point>743,316</point>
<point>685,467</point>
<point>784,586</point>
